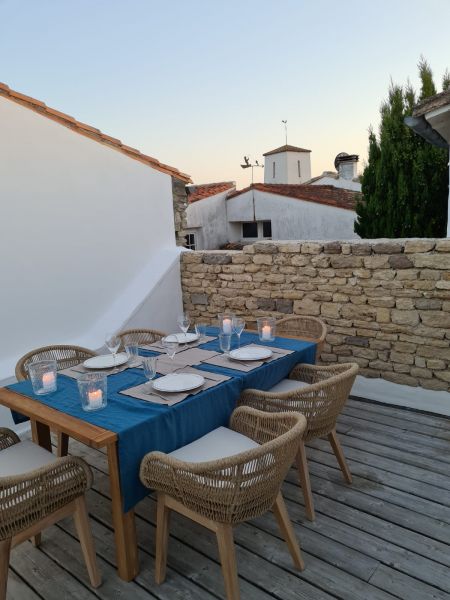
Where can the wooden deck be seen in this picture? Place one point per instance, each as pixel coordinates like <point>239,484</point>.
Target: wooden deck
<point>386,536</point>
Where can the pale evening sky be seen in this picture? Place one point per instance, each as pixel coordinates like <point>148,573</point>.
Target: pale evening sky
<point>200,83</point>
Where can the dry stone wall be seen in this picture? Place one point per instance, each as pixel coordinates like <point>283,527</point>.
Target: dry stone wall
<point>386,302</point>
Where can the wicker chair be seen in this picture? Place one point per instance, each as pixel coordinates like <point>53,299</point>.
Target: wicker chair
<point>203,482</point>
<point>37,490</point>
<point>319,393</point>
<point>140,336</point>
<point>306,328</point>
<point>65,356</point>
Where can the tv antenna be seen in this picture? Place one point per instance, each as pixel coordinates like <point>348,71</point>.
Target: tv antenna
<point>285,129</point>
<point>248,165</point>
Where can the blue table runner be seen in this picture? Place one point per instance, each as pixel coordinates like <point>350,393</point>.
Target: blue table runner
<point>143,427</point>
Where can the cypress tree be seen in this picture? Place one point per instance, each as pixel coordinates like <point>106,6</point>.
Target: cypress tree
<point>405,181</point>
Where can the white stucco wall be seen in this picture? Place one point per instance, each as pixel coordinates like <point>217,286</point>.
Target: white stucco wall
<point>346,184</point>
<point>207,218</point>
<point>286,167</point>
<point>86,237</point>
<point>292,219</point>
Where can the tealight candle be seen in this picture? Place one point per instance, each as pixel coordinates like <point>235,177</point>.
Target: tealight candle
<point>266,332</point>
<point>226,326</point>
<point>48,381</point>
<point>95,398</point>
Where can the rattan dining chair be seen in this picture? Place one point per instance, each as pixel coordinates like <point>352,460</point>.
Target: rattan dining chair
<point>306,328</point>
<point>140,336</point>
<point>66,356</point>
<point>37,490</point>
<point>226,477</point>
<point>319,393</point>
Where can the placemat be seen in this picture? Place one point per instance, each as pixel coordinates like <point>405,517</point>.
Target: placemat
<point>158,347</point>
<point>78,370</point>
<point>222,360</point>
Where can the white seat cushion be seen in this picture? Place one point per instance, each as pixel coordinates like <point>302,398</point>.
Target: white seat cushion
<point>288,385</point>
<point>23,457</point>
<point>219,443</point>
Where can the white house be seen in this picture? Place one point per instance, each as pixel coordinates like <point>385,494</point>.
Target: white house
<point>431,120</point>
<point>345,176</point>
<point>87,235</point>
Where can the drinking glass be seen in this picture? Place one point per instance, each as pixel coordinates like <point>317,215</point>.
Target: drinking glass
<point>238,328</point>
<point>112,342</point>
<point>149,364</point>
<point>225,342</point>
<point>132,351</point>
<point>200,330</point>
<point>183,322</point>
<point>170,345</point>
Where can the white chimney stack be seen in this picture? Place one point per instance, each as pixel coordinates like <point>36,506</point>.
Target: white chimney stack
<point>346,165</point>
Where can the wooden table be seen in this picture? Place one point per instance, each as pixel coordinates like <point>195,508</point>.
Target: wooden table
<point>42,419</point>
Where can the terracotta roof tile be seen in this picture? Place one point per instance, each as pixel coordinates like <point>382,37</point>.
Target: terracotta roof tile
<point>89,131</point>
<point>200,192</point>
<point>286,148</point>
<point>321,194</point>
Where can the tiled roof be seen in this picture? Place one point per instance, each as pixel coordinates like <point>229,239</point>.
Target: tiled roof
<point>199,192</point>
<point>432,103</point>
<point>321,194</point>
<point>88,131</point>
<point>286,148</point>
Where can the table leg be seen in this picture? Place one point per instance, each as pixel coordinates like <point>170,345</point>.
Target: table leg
<point>123,523</point>
<point>41,435</point>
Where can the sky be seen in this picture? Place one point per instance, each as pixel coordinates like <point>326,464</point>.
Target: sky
<point>198,84</point>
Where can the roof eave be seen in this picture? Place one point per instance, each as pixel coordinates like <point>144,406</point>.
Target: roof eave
<point>422,127</point>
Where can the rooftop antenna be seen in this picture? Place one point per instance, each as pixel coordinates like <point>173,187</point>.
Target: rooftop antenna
<point>285,129</point>
<point>248,165</point>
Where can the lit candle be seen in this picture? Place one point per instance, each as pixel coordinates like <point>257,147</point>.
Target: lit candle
<point>266,332</point>
<point>95,398</point>
<point>48,381</point>
<point>226,326</point>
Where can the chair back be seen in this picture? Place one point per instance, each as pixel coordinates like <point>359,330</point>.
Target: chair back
<point>140,336</point>
<point>306,328</point>
<point>65,356</point>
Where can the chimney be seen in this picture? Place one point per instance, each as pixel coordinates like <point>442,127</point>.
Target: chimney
<point>346,165</point>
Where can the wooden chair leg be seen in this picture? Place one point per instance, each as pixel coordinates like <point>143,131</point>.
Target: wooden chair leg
<point>162,538</point>
<point>334,441</point>
<point>227,555</point>
<point>303,471</point>
<point>36,540</point>
<point>5,548</point>
<point>86,541</point>
<point>62,448</point>
<point>285,525</point>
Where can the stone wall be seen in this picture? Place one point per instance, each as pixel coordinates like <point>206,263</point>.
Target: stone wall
<point>386,302</point>
<point>179,210</point>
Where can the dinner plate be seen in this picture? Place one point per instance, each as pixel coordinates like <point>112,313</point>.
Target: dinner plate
<point>106,361</point>
<point>178,382</point>
<point>183,338</point>
<point>250,353</point>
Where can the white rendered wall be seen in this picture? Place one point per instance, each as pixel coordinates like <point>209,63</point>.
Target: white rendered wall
<point>86,234</point>
<point>346,184</point>
<point>291,219</point>
<point>209,216</point>
<point>286,167</point>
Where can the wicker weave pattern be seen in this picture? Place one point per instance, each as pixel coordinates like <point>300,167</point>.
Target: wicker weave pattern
<point>321,402</point>
<point>236,488</point>
<point>27,498</point>
<point>65,356</point>
<point>140,336</point>
<point>7,438</point>
<point>305,328</point>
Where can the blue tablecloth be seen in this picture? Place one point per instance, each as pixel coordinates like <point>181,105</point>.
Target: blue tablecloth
<point>142,426</point>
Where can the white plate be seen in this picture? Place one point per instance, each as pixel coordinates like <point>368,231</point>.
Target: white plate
<point>185,338</point>
<point>106,361</point>
<point>178,382</point>
<point>251,353</point>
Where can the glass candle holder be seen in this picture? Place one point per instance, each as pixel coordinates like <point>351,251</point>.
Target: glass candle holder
<point>43,375</point>
<point>93,390</point>
<point>266,328</point>
<point>226,322</point>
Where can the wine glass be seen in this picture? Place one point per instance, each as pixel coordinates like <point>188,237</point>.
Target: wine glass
<point>112,342</point>
<point>149,364</point>
<point>170,345</point>
<point>200,330</point>
<point>238,328</point>
<point>183,322</point>
<point>225,342</point>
